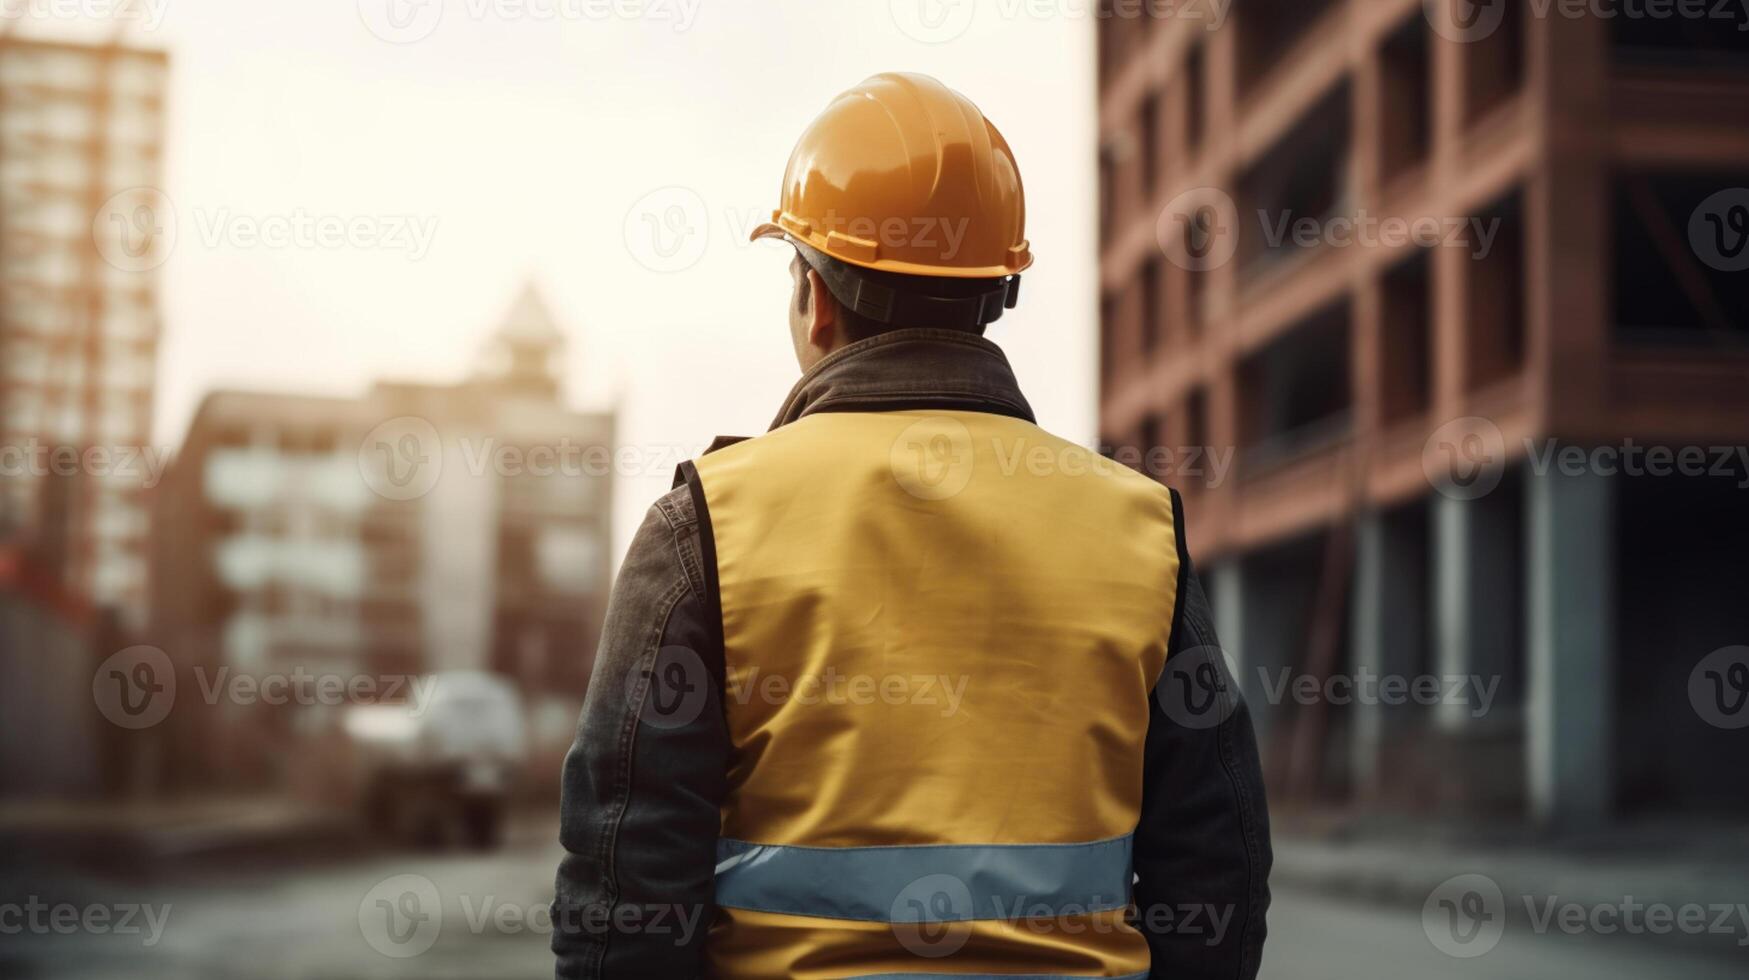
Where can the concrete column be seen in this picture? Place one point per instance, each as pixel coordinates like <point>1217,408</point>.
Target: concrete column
<point>1475,564</point>
<point>1570,621</point>
<point>1261,619</point>
<point>1238,624</point>
<point>1388,613</point>
<point>1226,583</point>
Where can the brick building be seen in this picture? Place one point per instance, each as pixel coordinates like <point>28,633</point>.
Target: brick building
<point>1575,283</point>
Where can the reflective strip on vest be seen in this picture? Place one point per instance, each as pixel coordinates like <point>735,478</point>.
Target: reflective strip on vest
<point>928,883</point>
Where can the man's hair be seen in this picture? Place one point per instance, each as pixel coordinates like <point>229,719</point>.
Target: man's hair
<point>858,327</point>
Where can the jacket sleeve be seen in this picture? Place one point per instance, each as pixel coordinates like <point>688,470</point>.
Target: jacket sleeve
<point>643,783</point>
<point>1202,854</point>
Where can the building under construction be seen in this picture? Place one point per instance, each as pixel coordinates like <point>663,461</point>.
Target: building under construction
<point>1423,305</point>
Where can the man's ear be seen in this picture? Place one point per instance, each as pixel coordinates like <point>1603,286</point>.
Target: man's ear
<point>822,312</point>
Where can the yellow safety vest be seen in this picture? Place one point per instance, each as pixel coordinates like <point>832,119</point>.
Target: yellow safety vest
<point>941,633</point>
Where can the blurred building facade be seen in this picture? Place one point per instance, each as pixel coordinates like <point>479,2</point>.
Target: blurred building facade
<point>1591,148</point>
<point>81,136</point>
<point>418,528</point>
<point>79,125</point>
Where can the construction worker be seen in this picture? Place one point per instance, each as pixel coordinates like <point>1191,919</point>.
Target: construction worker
<point>886,691</point>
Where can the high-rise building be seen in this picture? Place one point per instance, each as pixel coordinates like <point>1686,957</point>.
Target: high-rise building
<point>81,131</point>
<point>81,144</point>
<point>418,528</point>
<point>1365,265</point>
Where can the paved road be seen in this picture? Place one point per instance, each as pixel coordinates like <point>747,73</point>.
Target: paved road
<point>333,918</point>
<point>1313,937</point>
<point>360,917</point>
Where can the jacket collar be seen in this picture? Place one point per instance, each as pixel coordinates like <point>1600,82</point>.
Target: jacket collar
<point>909,369</point>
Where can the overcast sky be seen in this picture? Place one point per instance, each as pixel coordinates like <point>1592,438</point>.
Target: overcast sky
<point>486,143</point>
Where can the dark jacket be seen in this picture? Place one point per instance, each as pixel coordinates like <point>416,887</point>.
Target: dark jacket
<point>641,802</point>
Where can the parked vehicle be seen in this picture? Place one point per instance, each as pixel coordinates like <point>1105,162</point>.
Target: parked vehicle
<point>443,765</point>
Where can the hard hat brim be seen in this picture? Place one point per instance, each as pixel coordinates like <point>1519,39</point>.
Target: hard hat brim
<point>827,246</point>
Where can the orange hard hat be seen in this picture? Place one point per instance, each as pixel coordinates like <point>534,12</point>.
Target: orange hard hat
<point>901,174</point>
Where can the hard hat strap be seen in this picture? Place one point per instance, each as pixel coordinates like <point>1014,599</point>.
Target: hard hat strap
<point>885,304</point>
